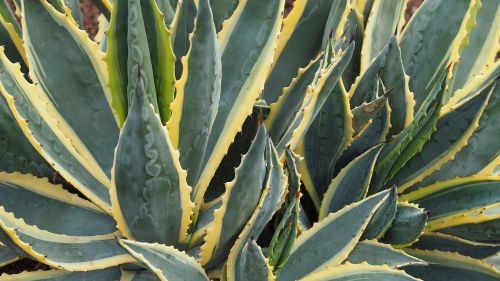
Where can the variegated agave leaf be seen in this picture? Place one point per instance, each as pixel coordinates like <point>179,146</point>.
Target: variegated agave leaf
<point>388,123</point>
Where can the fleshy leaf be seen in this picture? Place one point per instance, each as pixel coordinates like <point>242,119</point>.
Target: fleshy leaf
<point>376,253</point>
<point>317,248</point>
<point>451,266</point>
<point>197,94</point>
<point>72,253</point>
<point>152,203</point>
<point>351,184</point>
<point>165,261</point>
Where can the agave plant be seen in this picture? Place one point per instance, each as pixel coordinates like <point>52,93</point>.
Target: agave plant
<point>368,142</point>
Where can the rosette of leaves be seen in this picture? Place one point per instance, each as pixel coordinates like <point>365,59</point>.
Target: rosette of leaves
<point>147,124</point>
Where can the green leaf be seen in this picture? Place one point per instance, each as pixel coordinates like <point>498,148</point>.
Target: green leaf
<point>252,265</point>
<point>410,141</point>
<point>428,41</point>
<point>35,116</point>
<point>356,32</point>
<point>363,114</point>
<point>376,253</point>
<point>283,110</point>
<point>453,130</point>
<point>72,253</point>
<point>11,35</point>
<point>284,236</point>
<point>243,251</point>
<point>300,41</point>
<point>7,256</point>
<point>317,248</point>
<point>197,95</point>
<point>450,243</point>
<point>347,272</point>
<point>161,54</point>
<point>451,266</point>
<point>252,30</point>
<point>38,202</point>
<point>456,196</point>
<point>116,58</point>
<point>383,217</point>
<point>151,204</point>
<point>351,184</point>
<point>316,95</point>
<point>384,18</point>
<point>481,151</point>
<point>112,273</point>
<point>486,229</point>
<point>17,153</point>
<point>387,68</point>
<point>182,26</point>
<point>407,226</point>
<point>71,71</point>
<point>205,217</point>
<point>222,10</point>
<point>239,201</point>
<point>374,134</point>
<point>141,275</point>
<point>137,35</point>
<point>474,86</point>
<point>165,261</point>
<point>482,44</point>
<point>167,10</point>
<point>329,134</point>
<point>139,61</point>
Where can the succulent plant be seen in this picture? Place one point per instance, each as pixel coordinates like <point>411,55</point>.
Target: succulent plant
<point>368,142</point>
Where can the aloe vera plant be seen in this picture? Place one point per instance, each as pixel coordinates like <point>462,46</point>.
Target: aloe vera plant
<point>215,139</point>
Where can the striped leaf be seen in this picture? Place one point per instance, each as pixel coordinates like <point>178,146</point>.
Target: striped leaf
<point>70,72</point>
<point>451,266</point>
<point>38,202</point>
<point>137,27</point>
<point>72,253</point>
<point>481,151</point>
<point>351,184</point>
<point>479,53</point>
<point>359,272</point>
<point>454,130</point>
<point>252,30</point>
<point>407,226</point>
<point>316,95</point>
<point>112,273</point>
<point>386,67</point>
<point>317,248</point>
<point>197,94</point>
<point>329,134</point>
<point>166,262</point>
<point>450,243</point>
<point>383,217</point>
<point>245,251</point>
<point>7,256</point>
<point>384,19</point>
<point>456,196</point>
<point>410,141</point>
<point>239,201</point>
<point>300,41</point>
<point>374,134</point>
<point>152,203</point>
<point>433,34</point>
<point>35,117</point>
<point>17,153</point>
<point>376,253</point>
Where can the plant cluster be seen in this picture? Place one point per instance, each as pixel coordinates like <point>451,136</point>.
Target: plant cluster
<point>218,139</point>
